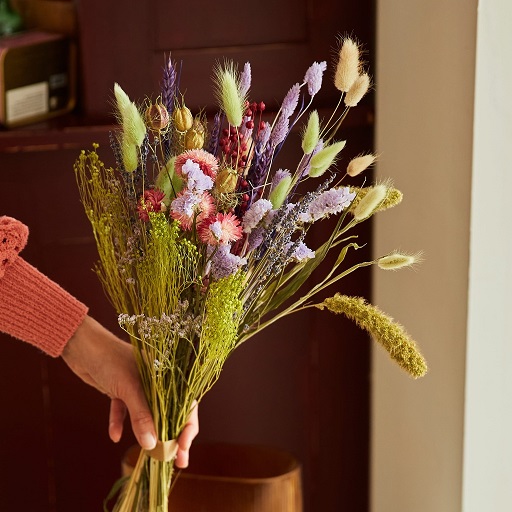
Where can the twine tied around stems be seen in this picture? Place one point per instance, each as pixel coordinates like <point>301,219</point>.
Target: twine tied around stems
<point>164,451</point>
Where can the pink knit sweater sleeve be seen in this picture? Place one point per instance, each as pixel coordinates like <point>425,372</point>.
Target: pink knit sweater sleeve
<point>32,307</point>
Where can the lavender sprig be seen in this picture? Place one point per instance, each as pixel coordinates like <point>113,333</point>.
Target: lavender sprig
<point>213,144</point>
<point>116,150</point>
<point>169,85</point>
<point>259,171</point>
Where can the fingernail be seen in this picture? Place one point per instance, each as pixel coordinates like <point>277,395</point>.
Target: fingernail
<point>147,441</point>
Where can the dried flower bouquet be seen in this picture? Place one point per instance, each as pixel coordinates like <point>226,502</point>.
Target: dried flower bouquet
<point>203,243</point>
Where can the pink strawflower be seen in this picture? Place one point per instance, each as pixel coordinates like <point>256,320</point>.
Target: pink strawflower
<point>220,229</point>
<point>188,205</point>
<point>206,161</point>
<point>151,201</point>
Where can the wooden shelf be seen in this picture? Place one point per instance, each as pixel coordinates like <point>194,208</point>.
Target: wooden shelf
<point>66,132</point>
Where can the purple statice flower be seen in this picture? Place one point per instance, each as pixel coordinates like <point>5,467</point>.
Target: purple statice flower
<point>245,79</point>
<point>216,229</point>
<point>329,202</point>
<point>278,176</point>
<point>280,130</point>
<point>255,238</point>
<point>255,213</point>
<point>196,179</point>
<point>301,251</point>
<point>186,203</point>
<point>313,77</point>
<point>223,263</point>
<point>290,101</point>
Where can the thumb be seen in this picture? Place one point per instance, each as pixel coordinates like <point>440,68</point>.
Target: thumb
<point>141,418</point>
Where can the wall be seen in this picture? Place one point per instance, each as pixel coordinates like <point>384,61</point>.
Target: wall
<point>424,86</point>
<point>487,468</point>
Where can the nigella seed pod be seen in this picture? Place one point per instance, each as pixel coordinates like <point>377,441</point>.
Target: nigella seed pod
<point>194,139</point>
<point>226,181</point>
<point>198,125</point>
<point>157,117</point>
<point>182,118</point>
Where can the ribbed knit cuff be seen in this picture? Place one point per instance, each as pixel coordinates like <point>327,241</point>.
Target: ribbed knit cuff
<point>37,310</point>
<point>13,238</point>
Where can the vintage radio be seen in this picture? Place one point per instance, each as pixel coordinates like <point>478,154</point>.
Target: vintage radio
<point>37,77</point>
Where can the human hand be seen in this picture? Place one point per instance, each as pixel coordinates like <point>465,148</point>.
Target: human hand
<point>107,363</point>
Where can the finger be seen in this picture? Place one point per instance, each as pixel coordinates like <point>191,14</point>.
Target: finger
<point>116,419</point>
<point>190,430</point>
<point>182,458</point>
<point>186,437</point>
<point>143,428</point>
<point>141,419</point>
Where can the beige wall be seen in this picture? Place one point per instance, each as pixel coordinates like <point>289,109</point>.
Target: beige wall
<point>487,466</point>
<point>425,92</point>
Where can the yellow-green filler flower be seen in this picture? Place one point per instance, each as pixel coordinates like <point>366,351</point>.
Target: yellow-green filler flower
<point>390,334</point>
<point>393,197</point>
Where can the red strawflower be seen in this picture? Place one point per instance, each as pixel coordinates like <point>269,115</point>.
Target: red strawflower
<point>151,201</point>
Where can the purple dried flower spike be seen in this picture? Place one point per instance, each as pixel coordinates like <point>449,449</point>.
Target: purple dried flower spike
<point>280,130</point>
<point>213,144</point>
<point>169,86</point>
<point>313,77</point>
<point>245,79</point>
<point>290,101</point>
